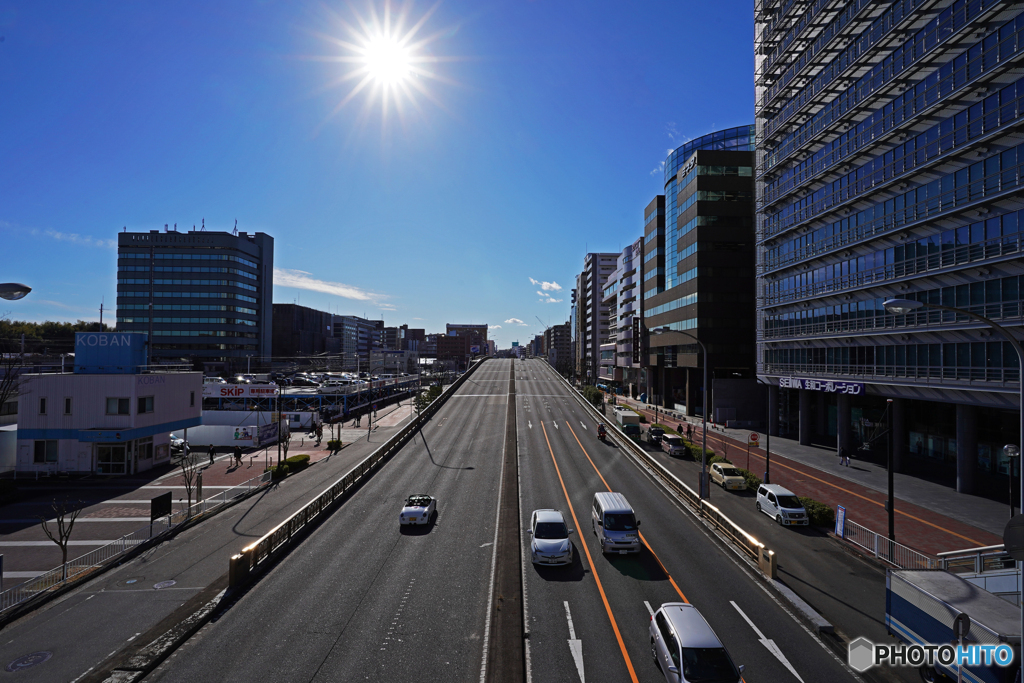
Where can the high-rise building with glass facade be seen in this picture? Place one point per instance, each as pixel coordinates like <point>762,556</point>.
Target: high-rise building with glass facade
<point>698,268</point>
<point>889,166</point>
<point>202,296</point>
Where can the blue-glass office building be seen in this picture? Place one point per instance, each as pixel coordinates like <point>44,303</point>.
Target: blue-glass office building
<point>889,166</point>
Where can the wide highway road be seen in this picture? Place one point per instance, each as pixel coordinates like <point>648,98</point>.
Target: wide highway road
<point>362,599</point>
<point>562,464</point>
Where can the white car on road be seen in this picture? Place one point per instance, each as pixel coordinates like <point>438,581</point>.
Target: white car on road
<point>550,543</point>
<point>419,509</point>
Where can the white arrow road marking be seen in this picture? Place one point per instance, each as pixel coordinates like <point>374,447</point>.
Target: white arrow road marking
<point>575,646</point>
<point>648,606</point>
<point>530,423</point>
<point>554,423</point>
<point>583,423</point>
<point>768,643</point>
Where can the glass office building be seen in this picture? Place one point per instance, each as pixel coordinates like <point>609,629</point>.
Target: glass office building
<point>201,296</point>
<point>889,166</point>
<point>698,265</point>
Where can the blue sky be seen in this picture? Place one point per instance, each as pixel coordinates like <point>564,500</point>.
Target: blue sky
<point>541,138</point>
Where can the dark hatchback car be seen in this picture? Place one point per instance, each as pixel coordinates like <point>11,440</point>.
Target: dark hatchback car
<point>654,434</point>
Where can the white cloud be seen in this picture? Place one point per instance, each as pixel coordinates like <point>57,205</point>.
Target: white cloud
<point>514,321</point>
<point>550,300</point>
<point>494,327</point>
<point>660,168</point>
<point>547,286</point>
<point>300,279</point>
<point>74,238</point>
<point>417,318</point>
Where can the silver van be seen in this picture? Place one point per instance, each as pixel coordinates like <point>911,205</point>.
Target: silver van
<point>615,524</point>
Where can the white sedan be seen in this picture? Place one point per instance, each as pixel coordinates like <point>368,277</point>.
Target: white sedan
<point>550,543</point>
<point>419,508</point>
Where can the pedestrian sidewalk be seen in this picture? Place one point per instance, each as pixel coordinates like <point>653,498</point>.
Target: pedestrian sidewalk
<point>930,517</point>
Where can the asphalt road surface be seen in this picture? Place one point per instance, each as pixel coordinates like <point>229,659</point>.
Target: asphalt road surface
<point>562,465</point>
<point>362,598</point>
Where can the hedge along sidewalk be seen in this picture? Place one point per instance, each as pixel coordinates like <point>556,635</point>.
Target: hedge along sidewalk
<point>916,526</point>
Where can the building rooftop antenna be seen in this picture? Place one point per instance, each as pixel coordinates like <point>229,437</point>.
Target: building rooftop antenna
<point>203,228</point>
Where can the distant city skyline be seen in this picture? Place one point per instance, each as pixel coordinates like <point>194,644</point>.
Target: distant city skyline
<point>523,136</point>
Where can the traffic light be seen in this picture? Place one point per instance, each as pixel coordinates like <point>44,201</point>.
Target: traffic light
<point>636,340</point>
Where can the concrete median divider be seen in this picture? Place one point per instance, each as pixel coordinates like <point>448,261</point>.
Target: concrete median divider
<point>766,559</point>
<point>253,557</point>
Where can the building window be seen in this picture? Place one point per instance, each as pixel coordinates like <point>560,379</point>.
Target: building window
<point>191,399</point>
<point>145,405</point>
<point>45,451</point>
<point>42,406</point>
<point>9,408</point>
<point>118,406</point>
<point>67,405</point>
<point>144,448</point>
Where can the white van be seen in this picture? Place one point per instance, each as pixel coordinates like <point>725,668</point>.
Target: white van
<point>781,504</point>
<point>615,524</point>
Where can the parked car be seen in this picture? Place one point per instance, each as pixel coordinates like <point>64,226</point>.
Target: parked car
<point>686,649</point>
<point>419,508</point>
<point>178,444</point>
<point>728,477</point>
<point>239,379</point>
<point>781,504</point>
<point>283,381</point>
<point>304,382</point>
<point>214,380</point>
<point>673,445</point>
<point>550,542</point>
<point>654,434</point>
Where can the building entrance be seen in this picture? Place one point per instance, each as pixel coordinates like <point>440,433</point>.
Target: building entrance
<point>111,458</point>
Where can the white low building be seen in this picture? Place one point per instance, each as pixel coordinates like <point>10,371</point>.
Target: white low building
<point>113,415</point>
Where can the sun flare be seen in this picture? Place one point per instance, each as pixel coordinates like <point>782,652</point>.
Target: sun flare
<point>388,57</point>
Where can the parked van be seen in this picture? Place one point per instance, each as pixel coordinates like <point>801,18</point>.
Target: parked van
<point>673,445</point>
<point>615,524</point>
<point>781,504</point>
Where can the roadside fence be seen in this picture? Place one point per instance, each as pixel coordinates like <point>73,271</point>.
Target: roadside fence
<point>891,552</point>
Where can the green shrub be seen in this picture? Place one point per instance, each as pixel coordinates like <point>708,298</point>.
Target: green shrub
<point>297,462</point>
<point>334,445</point>
<point>718,458</point>
<point>593,394</point>
<point>666,428</point>
<point>279,471</point>
<point>818,513</point>
<point>695,451</point>
<point>753,481</point>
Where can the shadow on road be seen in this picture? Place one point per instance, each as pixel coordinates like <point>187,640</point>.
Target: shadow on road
<point>434,462</point>
<point>641,566</point>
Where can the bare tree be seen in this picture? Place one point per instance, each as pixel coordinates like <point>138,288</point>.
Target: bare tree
<point>11,381</point>
<point>189,476</point>
<point>66,513</point>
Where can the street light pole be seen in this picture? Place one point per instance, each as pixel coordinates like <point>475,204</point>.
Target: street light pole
<point>904,306</point>
<point>1012,452</point>
<point>767,431</point>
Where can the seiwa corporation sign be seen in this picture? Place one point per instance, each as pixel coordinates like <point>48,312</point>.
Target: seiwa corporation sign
<point>827,385</point>
<point>241,390</point>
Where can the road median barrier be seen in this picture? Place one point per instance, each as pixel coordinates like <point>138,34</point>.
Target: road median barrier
<point>244,565</point>
<point>766,559</point>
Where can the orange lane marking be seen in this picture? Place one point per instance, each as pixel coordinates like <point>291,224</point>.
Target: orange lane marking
<point>873,502</point>
<point>590,561</point>
<point>642,538</point>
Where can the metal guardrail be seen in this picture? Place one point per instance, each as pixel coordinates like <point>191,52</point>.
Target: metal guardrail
<point>702,508</point>
<point>252,556</point>
<point>990,558</point>
<point>98,557</point>
<point>896,554</point>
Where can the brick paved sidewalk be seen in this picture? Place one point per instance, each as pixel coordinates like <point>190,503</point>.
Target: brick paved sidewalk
<point>915,526</point>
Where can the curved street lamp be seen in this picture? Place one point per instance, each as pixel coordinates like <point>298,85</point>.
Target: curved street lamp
<point>12,291</point>
<point>904,306</point>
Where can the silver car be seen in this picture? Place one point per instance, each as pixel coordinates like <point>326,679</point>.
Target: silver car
<point>686,649</point>
<point>550,543</point>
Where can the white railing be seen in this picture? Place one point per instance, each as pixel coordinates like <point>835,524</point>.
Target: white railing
<point>881,547</point>
<point>94,559</point>
<point>990,558</point>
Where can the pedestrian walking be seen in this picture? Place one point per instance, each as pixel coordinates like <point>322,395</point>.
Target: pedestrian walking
<point>238,455</point>
<point>844,456</point>
<point>211,453</point>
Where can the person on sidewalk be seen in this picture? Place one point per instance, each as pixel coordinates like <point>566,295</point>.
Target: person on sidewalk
<point>238,455</point>
<point>844,456</point>
<point>211,453</point>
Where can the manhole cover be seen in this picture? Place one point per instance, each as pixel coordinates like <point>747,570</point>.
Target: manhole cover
<point>130,582</point>
<point>28,661</point>
<point>164,584</point>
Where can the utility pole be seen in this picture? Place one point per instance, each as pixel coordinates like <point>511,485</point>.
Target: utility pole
<point>890,503</point>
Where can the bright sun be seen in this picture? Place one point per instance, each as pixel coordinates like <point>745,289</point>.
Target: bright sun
<point>387,61</point>
<point>388,56</point>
